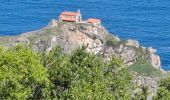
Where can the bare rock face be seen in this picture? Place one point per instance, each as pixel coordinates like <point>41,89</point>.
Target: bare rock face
<point>150,83</point>
<point>155,61</point>
<point>153,58</point>
<point>40,45</point>
<point>74,36</point>
<point>53,23</point>
<point>130,51</point>
<point>132,43</point>
<point>127,54</point>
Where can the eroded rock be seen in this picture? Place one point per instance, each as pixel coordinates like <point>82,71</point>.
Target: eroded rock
<point>70,36</point>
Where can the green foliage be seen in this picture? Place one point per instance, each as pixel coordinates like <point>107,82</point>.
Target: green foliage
<point>25,74</point>
<point>60,74</point>
<point>82,75</point>
<point>142,67</point>
<point>21,73</point>
<point>90,81</point>
<point>141,93</point>
<point>162,94</point>
<point>164,90</point>
<point>121,86</point>
<point>165,83</point>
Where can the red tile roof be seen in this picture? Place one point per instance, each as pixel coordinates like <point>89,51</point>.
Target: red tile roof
<point>93,20</point>
<point>69,16</point>
<point>69,13</point>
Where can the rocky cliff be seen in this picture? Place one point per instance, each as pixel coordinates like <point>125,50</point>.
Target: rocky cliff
<point>98,40</point>
<point>73,35</point>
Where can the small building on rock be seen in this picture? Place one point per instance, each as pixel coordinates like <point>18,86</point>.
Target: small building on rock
<point>94,21</point>
<point>71,16</point>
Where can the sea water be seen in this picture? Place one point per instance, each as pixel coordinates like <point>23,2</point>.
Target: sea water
<point>147,21</point>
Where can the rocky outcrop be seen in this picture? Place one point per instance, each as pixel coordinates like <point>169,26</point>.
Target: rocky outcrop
<point>70,36</point>
<point>154,59</point>
<point>130,51</point>
<point>98,40</point>
<point>150,83</point>
<point>132,43</point>
<point>74,36</point>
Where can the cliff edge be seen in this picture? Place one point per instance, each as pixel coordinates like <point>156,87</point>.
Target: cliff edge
<point>141,61</point>
<point>98,40</point>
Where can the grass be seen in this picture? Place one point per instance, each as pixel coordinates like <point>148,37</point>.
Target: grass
<point>45,34</point>
<point>7,39</point>
<point>110,40</point>
<point>143,67</point>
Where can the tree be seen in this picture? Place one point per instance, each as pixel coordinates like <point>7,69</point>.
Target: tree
<point>21,74</point>
<point>141,93</point>
<point>163,92</point>
<point>90,77</point>
<point>121,85</point>
<point>83,75</point>
<point>60,72</point>
<point>26,74</point>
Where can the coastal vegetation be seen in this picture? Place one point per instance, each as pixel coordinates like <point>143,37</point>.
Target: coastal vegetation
<point>32,66</point>
<point>26,74</point>
<point>164,90</point>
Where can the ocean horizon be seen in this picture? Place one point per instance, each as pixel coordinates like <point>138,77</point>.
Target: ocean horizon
<point>145,21</point>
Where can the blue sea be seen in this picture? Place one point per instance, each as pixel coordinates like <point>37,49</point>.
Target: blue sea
<point>147,21</point>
